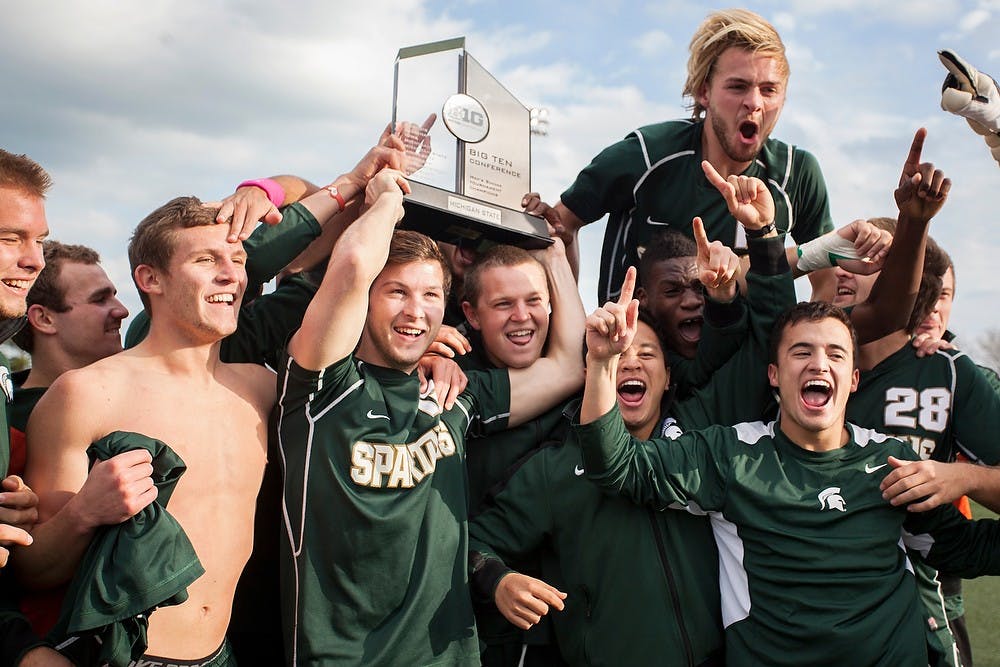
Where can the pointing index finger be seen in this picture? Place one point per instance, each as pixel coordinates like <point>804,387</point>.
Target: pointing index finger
<point>628,287</point>
<point>713,176</point>
<point>700,237</point>
<point>913,158</point>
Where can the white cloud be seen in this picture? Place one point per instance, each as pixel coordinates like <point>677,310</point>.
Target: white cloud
<point>653,43</point>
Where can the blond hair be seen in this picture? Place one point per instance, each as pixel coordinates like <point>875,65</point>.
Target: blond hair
<point>721,30</point>
<point>20,172</point>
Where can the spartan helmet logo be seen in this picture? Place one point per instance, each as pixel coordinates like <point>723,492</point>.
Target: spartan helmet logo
<point>830,499</point>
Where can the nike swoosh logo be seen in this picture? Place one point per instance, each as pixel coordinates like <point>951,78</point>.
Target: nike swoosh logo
<point>372,415</point>
<point>650,221</point>
<point>870,470</point>
<point>578,471</point>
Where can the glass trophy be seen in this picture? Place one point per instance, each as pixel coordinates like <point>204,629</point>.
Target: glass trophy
<point>468,150</point>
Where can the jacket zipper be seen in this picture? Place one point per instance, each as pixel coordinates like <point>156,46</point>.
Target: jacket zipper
<point>672,585</point>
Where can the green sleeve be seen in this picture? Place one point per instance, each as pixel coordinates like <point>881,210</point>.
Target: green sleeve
<point>484,406</point>
<point>991,377</point>
<point>724,329</point>
<point>271,247</point>
<point>659,472</point>
<point>976,419</point>
<point>953,544</point>
<point>810,200</point>
<point>266,323</point>
<point>606,184</point>
<point>512,526</point>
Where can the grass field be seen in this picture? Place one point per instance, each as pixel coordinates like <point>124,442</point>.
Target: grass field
<point>982,609</point>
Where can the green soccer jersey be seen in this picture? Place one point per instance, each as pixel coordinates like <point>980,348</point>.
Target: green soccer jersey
<point>941,405</point>
<point>652,180</point>
<point>374,559</point>
<point>812,570</point>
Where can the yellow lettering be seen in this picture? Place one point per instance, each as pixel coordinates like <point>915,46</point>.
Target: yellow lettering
<point>400,476</point>
<point>383,463</point>
<point>445,443</point>
<point>400,466</point>
<point>429,442</point>
<point>361,460</point>
<point>426,465</point>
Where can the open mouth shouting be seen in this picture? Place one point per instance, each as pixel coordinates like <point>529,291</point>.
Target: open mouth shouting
<point>816,394</point>
<point>690,329</point>
<point>631,392</point>
<point>749,130</point>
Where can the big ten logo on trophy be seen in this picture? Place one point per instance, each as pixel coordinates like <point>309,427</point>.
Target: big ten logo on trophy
<point>468,172</point>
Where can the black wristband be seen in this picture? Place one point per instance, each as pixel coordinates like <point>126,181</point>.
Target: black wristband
<point>767,256</point>
<point>759,233</point>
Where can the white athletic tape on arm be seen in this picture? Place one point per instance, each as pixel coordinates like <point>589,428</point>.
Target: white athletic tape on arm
<point>823,252</point>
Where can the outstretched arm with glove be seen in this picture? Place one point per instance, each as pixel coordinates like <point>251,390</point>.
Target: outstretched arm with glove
<point>973,95</point>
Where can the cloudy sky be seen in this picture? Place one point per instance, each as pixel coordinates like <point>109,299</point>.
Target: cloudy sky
<point>130,104</point>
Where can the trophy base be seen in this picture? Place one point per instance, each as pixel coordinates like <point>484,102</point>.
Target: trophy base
<point>459,220</point>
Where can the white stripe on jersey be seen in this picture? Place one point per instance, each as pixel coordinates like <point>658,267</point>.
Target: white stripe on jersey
<point>734,585</point>
<point>751,432</point>
<point>864,436</point>
<point>297,549</point>
<point>642,145</point>
<point>638,184</point>
<point>921,543</point>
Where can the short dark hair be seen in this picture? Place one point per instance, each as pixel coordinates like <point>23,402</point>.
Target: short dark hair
<point>936,263</point>
<point>667,244</point>
<point>810,311</point>
<point>949,264</point>
<point>47,291</point>
<point>409,246</point>
<point>20,172</point>
<point>499,255</point>
<point>152,242</point>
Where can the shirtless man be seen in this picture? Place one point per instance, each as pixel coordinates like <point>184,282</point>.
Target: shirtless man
<point>191,279</point>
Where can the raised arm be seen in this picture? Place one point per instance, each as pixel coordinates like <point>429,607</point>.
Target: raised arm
<point>609,332</point>
<point>355,262</point>
<point>565,225</point>
<point>559,373</point>
<point>921,193</point>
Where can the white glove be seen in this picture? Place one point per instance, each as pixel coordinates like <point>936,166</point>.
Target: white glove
<point>973,95</point>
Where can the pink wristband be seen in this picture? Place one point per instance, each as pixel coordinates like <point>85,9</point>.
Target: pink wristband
<point>272,188</point>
